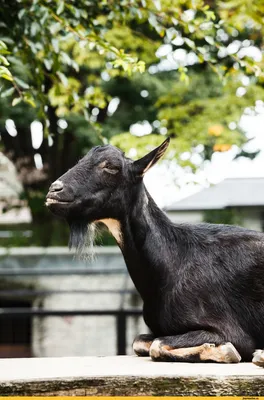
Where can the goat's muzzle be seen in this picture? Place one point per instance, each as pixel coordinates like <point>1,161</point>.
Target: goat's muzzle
<point>58,195</point>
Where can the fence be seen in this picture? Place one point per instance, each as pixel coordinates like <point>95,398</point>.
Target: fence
<point>121,319</point>
<point>23,268</point>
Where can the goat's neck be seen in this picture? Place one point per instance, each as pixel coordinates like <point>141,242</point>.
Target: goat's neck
<point>145,232</point>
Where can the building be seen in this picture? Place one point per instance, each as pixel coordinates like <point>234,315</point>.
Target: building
<point>244,196</point>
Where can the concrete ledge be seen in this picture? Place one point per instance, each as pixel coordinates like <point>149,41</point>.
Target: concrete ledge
<point>126,375</point>
<point>40,251</point>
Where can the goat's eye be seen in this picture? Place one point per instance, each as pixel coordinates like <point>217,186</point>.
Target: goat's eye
<point>111,170</point>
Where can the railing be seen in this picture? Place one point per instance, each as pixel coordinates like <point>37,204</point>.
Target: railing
<point>120,315</point>
<point>121,318</point>
<point>33,264</point>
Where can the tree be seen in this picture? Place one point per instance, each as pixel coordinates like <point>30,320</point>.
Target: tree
<point>63,63</point>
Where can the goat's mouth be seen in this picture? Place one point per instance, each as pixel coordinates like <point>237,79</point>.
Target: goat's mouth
<point>50,201</point>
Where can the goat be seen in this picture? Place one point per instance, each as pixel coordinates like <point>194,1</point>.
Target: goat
<point>202,285</point>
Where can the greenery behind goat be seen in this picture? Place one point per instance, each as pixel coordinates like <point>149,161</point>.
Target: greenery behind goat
<point>63,63</point>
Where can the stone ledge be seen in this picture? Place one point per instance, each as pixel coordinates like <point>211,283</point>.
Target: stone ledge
<point>60,251</point>
<point>126,376</point>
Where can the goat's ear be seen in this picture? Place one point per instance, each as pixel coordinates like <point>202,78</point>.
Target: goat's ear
<point>141,166</point>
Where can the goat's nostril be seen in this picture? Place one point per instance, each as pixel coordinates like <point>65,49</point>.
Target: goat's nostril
<point>56,186</point>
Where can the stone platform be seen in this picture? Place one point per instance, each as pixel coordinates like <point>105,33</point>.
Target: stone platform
<point>126,376</point>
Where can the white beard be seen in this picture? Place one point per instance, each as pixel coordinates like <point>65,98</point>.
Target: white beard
<point>82,236</point>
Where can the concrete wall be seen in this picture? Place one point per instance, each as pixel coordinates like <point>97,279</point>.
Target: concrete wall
<point>191,217</point>
<point>74,336</point>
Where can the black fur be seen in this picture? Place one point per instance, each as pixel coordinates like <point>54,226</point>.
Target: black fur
<point>199,283</point>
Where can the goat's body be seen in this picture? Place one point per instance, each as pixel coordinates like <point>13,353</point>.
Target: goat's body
<point>202,285</point>
<point>197,277</point>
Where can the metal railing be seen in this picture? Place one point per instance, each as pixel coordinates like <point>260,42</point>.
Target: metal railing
<point>120,315</point>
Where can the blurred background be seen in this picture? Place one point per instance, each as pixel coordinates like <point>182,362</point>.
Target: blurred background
<point>75,74</point>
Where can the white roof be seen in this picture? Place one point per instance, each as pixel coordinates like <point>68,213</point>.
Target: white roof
<point>235,192</point>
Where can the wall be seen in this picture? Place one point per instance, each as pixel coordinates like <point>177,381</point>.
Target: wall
<point>191,217</point>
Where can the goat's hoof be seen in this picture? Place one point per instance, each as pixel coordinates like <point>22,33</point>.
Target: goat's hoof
<point>141,345</point>
<point>231,355</point>
<point>258,358</point>
<point>140,349</point>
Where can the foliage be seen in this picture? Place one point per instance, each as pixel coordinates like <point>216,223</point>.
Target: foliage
<point>177,65</point>
<point>230,216</point>
<point>201,118</point>
<point>49,37</point>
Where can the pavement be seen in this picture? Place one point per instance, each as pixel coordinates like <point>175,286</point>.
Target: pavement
<point>126,375</point>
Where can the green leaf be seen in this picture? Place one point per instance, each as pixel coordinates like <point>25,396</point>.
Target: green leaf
<point>21,13</point>
<point>55,28</point>
<point>141,66</point>
<point>6,74</point>
<point>16,101</point>
<point>21,83</point>
<point>3,45</point>
<point>55,45</point>
<point>48,63</point>
<point>3,51</point>
<point>60,8</point>
<point>210,40</point>
<point>8,92</point>
<point>28,98</point>
<point>202,50</point>
<point>4,61</point>
<point>63,78</point>
<point>34,28</point>
<point>190,43</point>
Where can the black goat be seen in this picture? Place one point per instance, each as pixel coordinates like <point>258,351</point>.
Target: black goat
<point>202,285</point>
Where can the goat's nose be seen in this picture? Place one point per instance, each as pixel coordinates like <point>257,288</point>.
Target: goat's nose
<point>56,186</point>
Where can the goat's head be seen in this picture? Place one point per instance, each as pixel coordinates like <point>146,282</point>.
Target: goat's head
<point>98,187</point>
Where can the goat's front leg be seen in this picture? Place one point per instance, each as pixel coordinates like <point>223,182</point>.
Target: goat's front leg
<point>142,343</point>
<point>194,346</point>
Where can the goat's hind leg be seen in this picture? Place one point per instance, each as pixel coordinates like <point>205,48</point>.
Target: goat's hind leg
<point>142,343</point>
<point>258,358</point>
<point>195,346</point>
